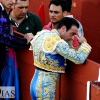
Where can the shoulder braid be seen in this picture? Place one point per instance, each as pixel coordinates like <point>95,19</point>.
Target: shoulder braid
<point>50,42</point>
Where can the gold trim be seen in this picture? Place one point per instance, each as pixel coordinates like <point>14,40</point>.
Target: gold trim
<point>49,68</point>
<point>50,42</point>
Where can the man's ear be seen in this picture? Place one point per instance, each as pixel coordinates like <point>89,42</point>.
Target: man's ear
<point>63,28</point>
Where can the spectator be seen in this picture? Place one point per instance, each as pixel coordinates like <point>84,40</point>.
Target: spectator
<point>25,21</point>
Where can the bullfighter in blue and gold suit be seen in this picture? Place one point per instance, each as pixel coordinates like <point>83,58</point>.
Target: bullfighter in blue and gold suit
<point>50,49</point>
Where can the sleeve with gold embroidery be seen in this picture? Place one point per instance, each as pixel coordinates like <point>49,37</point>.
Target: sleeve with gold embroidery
<point>77,57</point>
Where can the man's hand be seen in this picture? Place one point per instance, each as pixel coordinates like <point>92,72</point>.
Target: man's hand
<point>81,39</point>
<point>29,37</point>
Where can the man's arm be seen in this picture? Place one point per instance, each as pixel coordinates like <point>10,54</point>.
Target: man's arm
<point>13,41</point>
<point>78,56</point>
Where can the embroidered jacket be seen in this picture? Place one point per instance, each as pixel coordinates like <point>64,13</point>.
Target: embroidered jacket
<point>50,51</point>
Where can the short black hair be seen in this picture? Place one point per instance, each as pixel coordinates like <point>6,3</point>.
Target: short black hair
<point>65,4</point>
<point>68,22</point>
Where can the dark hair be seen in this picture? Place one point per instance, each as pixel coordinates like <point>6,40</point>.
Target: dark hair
<point>65,4</point>
<point>68,22</point>
<point>69,5</point>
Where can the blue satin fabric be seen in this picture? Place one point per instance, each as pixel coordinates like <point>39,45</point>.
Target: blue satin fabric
<point>10,75</point>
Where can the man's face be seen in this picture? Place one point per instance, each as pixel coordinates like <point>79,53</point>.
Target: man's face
<point>7,3</point>
<point>20,8</point>
<point>55,13</point>
<point>69,35</point>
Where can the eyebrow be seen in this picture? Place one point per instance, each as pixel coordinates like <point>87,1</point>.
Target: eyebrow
<point>54,11</point>
<point>21,7</point>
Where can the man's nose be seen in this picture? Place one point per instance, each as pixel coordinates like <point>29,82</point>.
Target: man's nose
<point>24,9</point>
<point>52,14</point>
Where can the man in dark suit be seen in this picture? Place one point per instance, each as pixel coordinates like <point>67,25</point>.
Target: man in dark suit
<point>6,33</point>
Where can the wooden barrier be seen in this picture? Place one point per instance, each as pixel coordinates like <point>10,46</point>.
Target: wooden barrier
<point>74,81</point>
<point>95,91</point>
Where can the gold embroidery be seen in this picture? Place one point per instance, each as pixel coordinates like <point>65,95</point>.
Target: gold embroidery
<point>50,42</point>
<point>46,84</point>
<point>49,67</point>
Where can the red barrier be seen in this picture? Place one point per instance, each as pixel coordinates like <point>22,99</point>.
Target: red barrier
<point>74,81</point>
<point>95,91</point>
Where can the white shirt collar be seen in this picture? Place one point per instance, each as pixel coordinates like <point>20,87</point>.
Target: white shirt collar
<point>69,16</point>
<point>2,6</point>
<point>54,30</point>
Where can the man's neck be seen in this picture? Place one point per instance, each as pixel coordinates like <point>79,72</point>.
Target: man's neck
<point>54,25</point>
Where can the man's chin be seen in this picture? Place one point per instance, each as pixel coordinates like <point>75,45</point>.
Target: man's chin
<point>55,22</point>
<point>20,17</point>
